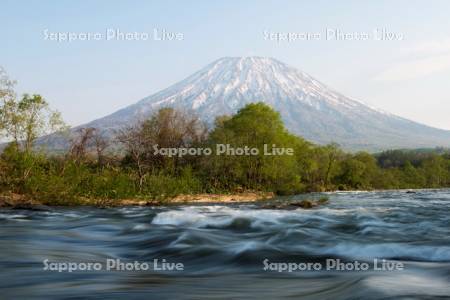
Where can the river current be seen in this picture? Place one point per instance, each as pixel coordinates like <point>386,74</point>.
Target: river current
<point>233,251</point>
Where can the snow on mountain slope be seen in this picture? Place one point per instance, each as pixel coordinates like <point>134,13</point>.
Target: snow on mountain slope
<point>308,107</point>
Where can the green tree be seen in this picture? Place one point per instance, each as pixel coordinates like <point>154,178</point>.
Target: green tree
<point>256,126</point>
<point>26,119</point>
<point>436,171</point>
<point>412,177</point>
<point>324,163</point>
<point>359,171</point>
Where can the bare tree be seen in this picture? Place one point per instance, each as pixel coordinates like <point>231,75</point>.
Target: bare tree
<point>88,140</point>
<point>172,128</point>
<point>101,144</point>
<point>133,140</point>
<point>80,143</point>
<point>167,128</point>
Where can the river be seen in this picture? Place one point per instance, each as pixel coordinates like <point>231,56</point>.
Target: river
<point>233,251</point>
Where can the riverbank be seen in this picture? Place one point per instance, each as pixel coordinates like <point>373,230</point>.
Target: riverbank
<point>13,200</point>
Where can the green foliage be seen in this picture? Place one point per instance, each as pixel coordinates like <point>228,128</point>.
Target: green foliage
<point>25,120</point>
<point>160,186</point>
<point>69,180</point>
<point>259,127</point>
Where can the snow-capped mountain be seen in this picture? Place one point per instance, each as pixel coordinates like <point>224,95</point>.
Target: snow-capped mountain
<point>308,107</point>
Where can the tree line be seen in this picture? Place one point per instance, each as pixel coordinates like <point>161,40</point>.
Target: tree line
<point>92,168</point>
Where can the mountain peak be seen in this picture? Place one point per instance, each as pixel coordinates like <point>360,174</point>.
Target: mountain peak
<point>253,59</point>
<point>249,62</point>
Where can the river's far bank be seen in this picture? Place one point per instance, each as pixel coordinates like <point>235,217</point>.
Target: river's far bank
<point>13,200</point>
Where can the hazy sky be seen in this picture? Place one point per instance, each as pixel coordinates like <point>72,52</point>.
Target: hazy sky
<point>408,76</point>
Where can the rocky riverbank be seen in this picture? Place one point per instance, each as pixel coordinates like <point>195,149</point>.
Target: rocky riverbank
<point>22,201</point>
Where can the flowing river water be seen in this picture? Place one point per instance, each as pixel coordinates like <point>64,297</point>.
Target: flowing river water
<point>233,251</point>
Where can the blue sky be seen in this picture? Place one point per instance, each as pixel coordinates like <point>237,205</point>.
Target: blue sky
<point>89,79</point>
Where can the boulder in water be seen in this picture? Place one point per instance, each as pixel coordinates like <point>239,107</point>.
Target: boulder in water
<point>305,204</point>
